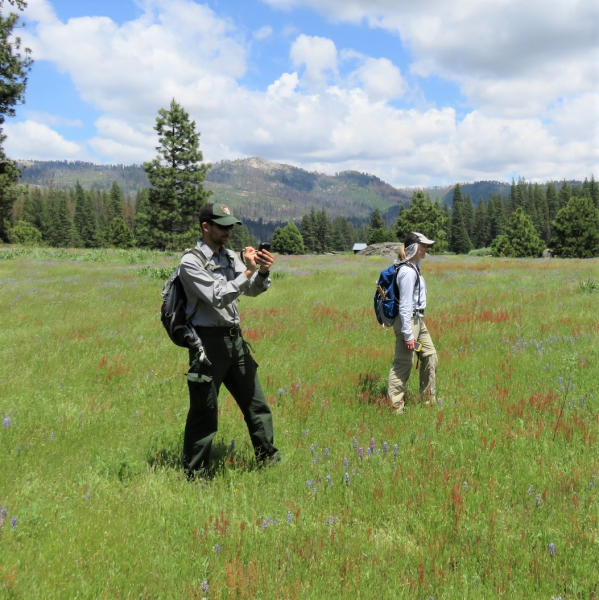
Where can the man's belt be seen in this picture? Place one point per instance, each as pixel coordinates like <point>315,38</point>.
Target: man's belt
<point>418,313</point>
<point>233,331</point>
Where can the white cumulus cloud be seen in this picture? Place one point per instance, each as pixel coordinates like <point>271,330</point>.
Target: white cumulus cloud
<point>37,141</point>
<point>527,71</point>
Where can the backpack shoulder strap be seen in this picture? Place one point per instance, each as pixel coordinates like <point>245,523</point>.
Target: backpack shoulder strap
<point>204,262</point>
<point>412,266</point>
<point>197,254</point>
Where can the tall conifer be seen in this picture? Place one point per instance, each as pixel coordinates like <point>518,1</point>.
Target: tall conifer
<point>15,64</point>
<point>176,175</point>
<point>459,240</point>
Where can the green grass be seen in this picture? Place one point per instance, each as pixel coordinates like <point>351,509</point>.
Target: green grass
<point>457,500</point>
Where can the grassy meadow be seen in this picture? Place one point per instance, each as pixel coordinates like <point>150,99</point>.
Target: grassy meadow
<point>489,493</point>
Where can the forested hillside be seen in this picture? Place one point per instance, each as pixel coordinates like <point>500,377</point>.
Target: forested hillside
<point>255,188</point>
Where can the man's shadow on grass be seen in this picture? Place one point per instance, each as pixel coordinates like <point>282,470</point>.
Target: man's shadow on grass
<point>169,456</point>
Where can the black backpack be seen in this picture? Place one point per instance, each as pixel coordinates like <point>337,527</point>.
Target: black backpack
<point>174,303</point>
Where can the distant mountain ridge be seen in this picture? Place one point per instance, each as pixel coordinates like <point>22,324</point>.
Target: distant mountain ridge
<point>261,190</point>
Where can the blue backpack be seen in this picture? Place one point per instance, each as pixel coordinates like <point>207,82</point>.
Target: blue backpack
<point>386,295</point>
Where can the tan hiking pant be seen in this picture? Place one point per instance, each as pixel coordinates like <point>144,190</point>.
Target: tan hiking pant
<point>402,364</point>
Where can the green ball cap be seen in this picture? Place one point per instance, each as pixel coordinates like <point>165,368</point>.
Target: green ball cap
<point>219,214</point>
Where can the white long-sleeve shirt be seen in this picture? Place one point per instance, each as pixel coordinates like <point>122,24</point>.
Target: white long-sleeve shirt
<point>409,300</point>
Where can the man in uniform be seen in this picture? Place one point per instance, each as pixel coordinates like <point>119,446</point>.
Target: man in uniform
<point>212,286</point>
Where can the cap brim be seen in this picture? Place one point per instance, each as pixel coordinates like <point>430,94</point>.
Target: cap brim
<point>226,221</point>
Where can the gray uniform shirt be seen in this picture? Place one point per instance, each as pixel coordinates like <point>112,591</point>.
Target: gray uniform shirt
<point>212,292</point>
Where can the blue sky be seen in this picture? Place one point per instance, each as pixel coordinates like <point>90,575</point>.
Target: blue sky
<point>419,94</point>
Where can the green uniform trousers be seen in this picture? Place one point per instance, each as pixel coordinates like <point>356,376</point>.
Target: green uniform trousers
<point>402,364</point>
<point>233,365</point>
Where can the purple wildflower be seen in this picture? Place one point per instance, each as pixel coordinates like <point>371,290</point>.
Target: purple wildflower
<point>439,402</point>
<point>13,522</point>
<point>531,490</point>
<point>345,462</point>
<point>395,450</point>
<point>280,392</point>
<point>361,453</point>
<point>205,587</point>
<point>355,443</point>
<point>347,479</point>
<point>7,421</point>
<point>372,443</point>
<point>232,446</point>
<point>538,500</point>
<point>385,447</point>
<point>217,548</point>
<point>312,449</point>
<point>289,517</point>
<point>3,513</point>
<point>326,452</point>
<point>268,521</point>
<point>551,549</point>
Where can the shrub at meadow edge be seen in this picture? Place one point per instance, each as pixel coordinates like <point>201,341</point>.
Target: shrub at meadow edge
<point>492,492</point>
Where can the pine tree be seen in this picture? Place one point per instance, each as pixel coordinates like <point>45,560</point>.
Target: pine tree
<point>564,195</point>
<point>176,174</point>
<point>541,212</point>
<point>552,200</point>
<point>594,191</point>
<point>380,236</point>
<point>116,200</point>
<point>14,66</point>
<point>523,236</point>
<point>425,217</point>
<point>481,225</point>
<point>495,217</point>
<point>469,215</point>
<point>529,204</point>
<point>576,229</point>
<point>85,218</point>
<point>459,240</point>
<point>288,240</point>
<point>376,220</point>
<point>308,231</point>
<point>512,203</point>
<point>342,234</point>
<point>58,228</point>
<point>323,232</point>
<point>118,234</point>
<point>378,230</point>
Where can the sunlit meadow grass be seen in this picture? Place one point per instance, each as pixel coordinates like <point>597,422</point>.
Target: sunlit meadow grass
<point>491,492</point>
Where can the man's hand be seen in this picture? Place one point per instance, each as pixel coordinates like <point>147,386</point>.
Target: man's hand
<point>265,259</point>
<point>410,344</point>
<point>250,256</point>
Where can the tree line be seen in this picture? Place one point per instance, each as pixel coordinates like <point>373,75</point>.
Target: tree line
<point>165,216</point>
<point>533,217</point>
